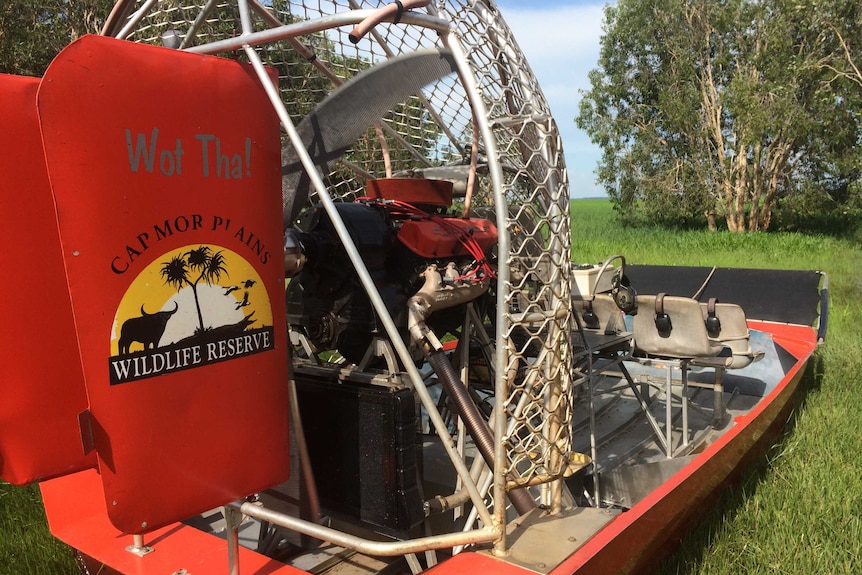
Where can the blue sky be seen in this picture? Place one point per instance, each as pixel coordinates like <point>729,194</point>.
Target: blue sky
<point>561,41</point>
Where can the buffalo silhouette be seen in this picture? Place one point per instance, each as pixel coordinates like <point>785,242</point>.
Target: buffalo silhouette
<point>146,329</point>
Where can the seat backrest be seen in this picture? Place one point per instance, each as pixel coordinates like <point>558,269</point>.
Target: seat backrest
<point>683,335</point>
<point>606,317</point>
<point>732,330</point>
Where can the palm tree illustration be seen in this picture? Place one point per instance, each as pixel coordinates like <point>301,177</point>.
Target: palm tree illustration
<point>208,266</point>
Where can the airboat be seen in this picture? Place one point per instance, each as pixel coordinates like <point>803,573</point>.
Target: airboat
<point>300,298</point>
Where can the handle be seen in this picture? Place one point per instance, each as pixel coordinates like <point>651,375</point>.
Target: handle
<point>394,10</point>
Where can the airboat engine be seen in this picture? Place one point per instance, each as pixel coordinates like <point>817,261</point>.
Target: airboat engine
<point>403,234</point>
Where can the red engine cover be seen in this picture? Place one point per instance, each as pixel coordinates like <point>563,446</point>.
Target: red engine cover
<point>432,239</point>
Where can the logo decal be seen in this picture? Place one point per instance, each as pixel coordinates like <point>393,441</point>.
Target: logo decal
<point>197,305</point>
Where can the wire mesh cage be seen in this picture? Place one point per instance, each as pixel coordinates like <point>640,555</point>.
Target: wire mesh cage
<point>489,120</point>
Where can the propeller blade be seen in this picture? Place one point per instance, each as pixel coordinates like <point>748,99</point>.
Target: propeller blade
<point>350,110</point>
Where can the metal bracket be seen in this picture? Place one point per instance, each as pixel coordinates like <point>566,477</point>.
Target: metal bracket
<point>138,548</point>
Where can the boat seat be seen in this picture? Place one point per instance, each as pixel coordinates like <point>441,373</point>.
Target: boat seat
<point>726,324</point>
<point>600,314</point>
<point>670,331</point>
<point>601,328</point>
<point>676,329</point>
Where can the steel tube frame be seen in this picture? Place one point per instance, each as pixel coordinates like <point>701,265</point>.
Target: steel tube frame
<point>351,249</point>
<point>378,548</point>
<point>310,27</point>
<point>503,281</point>
<point>552,369</point>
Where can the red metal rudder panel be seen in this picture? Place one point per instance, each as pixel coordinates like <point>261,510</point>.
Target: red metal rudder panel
<point>41,383</point>
<point>165,168</point>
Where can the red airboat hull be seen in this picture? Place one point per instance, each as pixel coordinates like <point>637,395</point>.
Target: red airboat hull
<point>637,539</point>
<point>632,543</point>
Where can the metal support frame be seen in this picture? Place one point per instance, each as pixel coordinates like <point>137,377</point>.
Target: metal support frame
<point>233,519</point>
<point>640,390</point>
<point>494,530</point>
<point>138,547</point>
<point>476,483</point>
<point>615,350</point>
<point>367,546</point>
<point>664,436</point>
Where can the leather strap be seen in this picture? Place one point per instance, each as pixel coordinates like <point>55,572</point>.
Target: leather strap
<point>591,320</point>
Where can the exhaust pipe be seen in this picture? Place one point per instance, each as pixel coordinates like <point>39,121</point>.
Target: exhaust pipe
<point>434,295</point>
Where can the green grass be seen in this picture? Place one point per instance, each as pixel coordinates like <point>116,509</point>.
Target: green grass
<point>798,511</point>
<point>26,546</point>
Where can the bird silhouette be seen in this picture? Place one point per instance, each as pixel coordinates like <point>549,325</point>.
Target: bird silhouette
<point>248,283</point>
<point>230,290</point>
<point>244,301</point>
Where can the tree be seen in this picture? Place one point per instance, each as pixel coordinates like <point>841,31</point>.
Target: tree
<point>33,32</point>
<point>715,110</point>
<point>209,267</point>
<point>832,192</point>
<point>840,37</point>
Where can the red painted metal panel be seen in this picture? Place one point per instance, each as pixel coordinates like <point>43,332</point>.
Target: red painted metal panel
<point>798,340</point>
<point>81,521</point>
<point>165,168</point>
<point>41,382</point>
<point>412,190</point>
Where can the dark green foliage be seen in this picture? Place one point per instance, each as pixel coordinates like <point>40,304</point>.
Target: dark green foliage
<point>736,110</point>
<point>834,207</point>
<point>32,32</point>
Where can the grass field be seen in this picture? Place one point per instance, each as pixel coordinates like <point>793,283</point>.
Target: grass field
<point>797,512</point>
